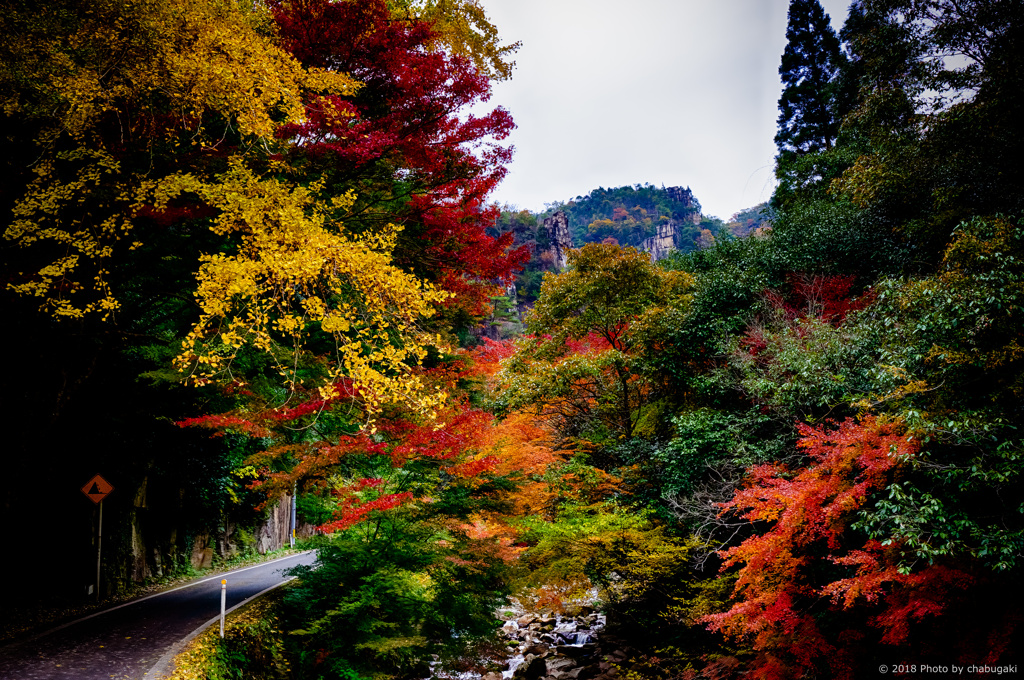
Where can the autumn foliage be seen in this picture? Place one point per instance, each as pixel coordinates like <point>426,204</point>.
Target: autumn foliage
<point>403,141</point>
<point>809,582</point>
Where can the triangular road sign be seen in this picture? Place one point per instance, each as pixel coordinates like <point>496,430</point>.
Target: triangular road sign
<point>97,488</point>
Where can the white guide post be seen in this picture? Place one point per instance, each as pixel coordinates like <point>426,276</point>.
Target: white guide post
<point>295,491</point>
<point>223,603</point>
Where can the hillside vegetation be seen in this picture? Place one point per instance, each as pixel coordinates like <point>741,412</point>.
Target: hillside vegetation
<point>629,216</point>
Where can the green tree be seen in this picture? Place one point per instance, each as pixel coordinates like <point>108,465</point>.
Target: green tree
<point>940,99</point>
<point>808,119</point>
<point>810,108</point>
<point>583,363</point>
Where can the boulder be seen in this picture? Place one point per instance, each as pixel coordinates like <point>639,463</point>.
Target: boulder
<point>588,672</point>
<point>560,238</point>
<point>532,668</point>
<point>535,648</point>
<point>560,664</point>
<point>576,651</point>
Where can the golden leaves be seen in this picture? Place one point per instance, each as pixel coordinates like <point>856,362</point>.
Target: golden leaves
<point>123,81</point>
<point>294,270</point>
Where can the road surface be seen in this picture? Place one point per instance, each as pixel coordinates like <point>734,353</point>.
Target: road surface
<point>136,641</point>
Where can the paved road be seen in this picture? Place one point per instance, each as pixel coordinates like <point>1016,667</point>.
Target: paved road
<point>126,642</point>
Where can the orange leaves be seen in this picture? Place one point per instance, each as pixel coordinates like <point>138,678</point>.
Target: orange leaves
<point>472,468</point>
<point>810,511</point>
<point>521,442</point>
<point>849,462</point>
<point>486,357</point>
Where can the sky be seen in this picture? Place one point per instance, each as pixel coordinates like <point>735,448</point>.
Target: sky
<point>611,93</point>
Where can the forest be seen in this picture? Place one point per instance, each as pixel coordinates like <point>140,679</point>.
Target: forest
<point>249,254</point>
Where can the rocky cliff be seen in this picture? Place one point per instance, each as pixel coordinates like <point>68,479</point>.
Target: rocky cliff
<point>662,243</point>
<point>153,547</point>
<point>670,236</point>
<point>560,238</point>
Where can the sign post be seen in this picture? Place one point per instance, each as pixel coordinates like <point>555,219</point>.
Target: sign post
<point>96,489</point>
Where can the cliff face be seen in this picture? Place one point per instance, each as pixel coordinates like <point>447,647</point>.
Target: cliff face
<point>662,243</point>
<point>560,237</point>
<point>671,234</point>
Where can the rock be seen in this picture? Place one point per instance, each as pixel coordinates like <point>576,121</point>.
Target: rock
<point>668,235</point>
<point>493,675</point>
<point>588,672</point>
<point>274,532</point>
<point>536,649</point>
<point>576,651</point>
<point>662,243</point>
<point>532,668</point>
<point>560,237</point>
<point>525,620</point>
<point>561,664</point>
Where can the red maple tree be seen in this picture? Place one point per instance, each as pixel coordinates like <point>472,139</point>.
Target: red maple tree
<point>404,143</point>
<point>809,582</point>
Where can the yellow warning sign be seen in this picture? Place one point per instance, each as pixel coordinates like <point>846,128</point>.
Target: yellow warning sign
<point>97,489</point>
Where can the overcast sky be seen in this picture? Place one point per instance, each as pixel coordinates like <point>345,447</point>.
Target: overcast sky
<point>614,92</point>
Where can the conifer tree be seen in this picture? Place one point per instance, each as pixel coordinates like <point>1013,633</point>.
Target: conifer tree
<point>808,119</point>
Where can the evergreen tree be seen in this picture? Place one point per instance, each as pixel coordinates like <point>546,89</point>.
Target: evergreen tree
<point>808,119</point>
<point>818,90</point>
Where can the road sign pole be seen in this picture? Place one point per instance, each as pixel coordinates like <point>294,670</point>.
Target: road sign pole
<point>223,603</point>
<point>96,489</point>
<point>99,549</point>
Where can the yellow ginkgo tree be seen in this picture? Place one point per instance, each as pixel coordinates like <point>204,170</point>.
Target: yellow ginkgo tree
<point>126,109</point>
<point>294,273</point>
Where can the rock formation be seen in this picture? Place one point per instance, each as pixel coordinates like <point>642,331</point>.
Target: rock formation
<point>662,243</point>
<point>560,237</point>
<point>668,236</point>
